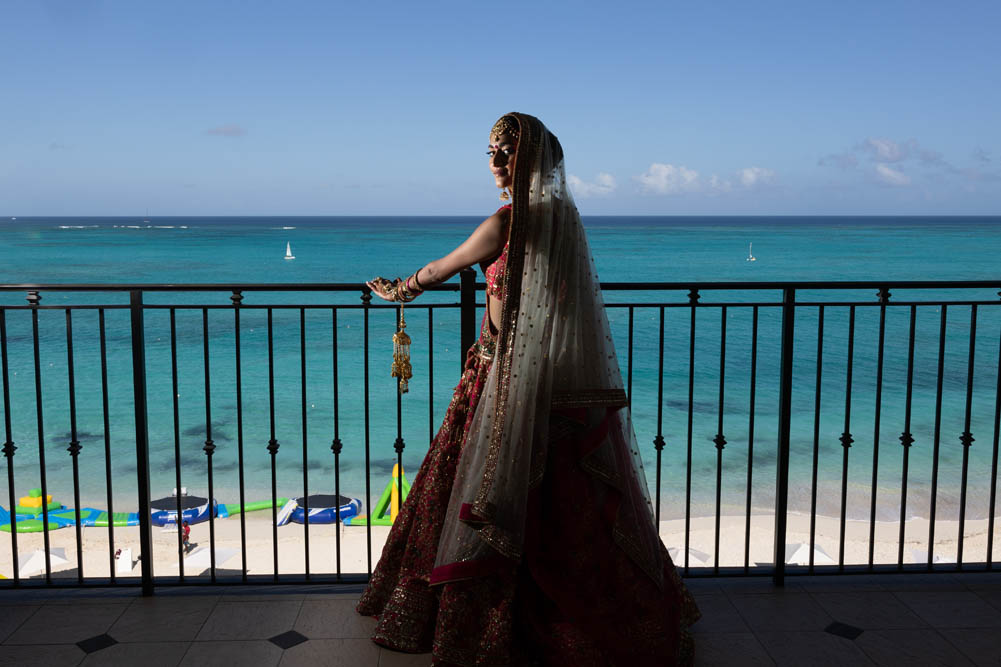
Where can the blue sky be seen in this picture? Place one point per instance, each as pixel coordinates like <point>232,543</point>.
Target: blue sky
<point>337,108</point>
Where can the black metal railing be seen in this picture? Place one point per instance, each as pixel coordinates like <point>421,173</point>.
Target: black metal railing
<point>697,355</point>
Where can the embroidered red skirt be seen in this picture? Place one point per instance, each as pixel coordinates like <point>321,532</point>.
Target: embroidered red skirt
<point>576,599</point>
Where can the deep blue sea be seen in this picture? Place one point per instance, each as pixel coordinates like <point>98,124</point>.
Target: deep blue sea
<point>351,250</point>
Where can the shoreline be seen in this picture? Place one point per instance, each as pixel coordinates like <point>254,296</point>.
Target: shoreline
<point>354,556</point>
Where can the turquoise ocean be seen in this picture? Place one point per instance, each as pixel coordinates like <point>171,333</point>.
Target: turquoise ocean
<point>646,249</point>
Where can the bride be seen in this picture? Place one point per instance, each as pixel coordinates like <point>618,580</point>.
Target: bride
<point>528,536</point>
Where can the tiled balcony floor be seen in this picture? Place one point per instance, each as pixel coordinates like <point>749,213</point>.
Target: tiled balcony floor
<point>847,620</point>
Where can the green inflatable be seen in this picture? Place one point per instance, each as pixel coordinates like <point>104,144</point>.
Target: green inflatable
<point>383,513</point>
<point>31,526</point>
<point>256,506</point>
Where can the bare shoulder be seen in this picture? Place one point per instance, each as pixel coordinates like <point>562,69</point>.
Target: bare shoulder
<point>497,223</point>
<point>489,237</point>
<point>485,242</point>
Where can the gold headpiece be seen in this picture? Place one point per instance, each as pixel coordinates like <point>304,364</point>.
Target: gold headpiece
<point>506,125</point>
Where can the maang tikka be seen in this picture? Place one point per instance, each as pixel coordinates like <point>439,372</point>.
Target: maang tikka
<point>506,125</point>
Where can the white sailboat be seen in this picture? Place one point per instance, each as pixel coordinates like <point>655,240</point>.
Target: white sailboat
<point>288,251</point>
<point>750,257</point>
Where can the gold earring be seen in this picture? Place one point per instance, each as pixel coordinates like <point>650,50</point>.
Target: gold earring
<point>504,196</point>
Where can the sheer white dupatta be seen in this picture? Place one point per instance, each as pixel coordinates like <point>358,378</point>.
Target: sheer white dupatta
<point>554,351</point>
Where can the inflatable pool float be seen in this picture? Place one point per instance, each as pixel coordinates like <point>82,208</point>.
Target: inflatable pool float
<point>388,506</point>
<point>194,509</point>
<point>31,504</point>
<point>5,517</point>
<point>30,514</point>
<point>89,516</point>
<point>232,508</point>
<point>67,517</point>
<point>61,518</point>
<point>32,525</point>
<point>323,508</point>
<point>118,519</point>
<point>37,511</point>
<point>285,513</point>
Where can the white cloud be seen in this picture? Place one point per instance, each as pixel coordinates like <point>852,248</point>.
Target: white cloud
<point>675,179</point>
<point>720,184</point>
<point>603,184</point>
<point>752,176</point>
<point>668,179</point>
<point>891,176</point>
<point>230,130</point>
<point>885,150</point>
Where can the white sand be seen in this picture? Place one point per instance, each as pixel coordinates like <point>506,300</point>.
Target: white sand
<point>260,551</point>
<point>354,558</point>
<point>827,538</point>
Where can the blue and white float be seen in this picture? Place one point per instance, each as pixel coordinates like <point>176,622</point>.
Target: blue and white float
<point>324,508</point>
<point>194,509</point>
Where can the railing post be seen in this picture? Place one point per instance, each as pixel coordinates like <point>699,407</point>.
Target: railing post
<point>142,439</point>
<point>467,305</point>
<point>785,411</point>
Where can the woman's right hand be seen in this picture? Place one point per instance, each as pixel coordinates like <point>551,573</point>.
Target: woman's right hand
<point>383,288</point>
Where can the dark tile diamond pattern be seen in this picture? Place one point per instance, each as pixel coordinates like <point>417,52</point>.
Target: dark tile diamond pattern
<point>96,643</point>
<point>288,639</point>
<point>844,630</point>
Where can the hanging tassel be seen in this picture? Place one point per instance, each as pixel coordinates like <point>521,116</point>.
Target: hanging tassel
<point>401,355</point>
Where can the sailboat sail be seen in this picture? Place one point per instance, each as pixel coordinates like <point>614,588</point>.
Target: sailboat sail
<point>288,251</point>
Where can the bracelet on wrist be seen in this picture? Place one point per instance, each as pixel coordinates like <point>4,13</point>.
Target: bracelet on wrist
<point>411,287</point>
<point>404,293</point>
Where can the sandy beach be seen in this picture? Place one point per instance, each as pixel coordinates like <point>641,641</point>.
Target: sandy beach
<point>354,551</point>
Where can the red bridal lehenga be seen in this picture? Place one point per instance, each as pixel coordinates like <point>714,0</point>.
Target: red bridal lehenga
<point>538,549</point>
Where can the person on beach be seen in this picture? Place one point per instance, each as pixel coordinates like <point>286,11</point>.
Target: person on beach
<point>528,535</point>
<point>186,537</point>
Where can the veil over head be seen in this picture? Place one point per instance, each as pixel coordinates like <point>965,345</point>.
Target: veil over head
<point>554,353</point>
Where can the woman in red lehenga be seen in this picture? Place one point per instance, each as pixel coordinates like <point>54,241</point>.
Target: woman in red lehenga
<point>528,536</point>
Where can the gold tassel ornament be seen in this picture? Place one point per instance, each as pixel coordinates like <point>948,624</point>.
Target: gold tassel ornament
<point>401,355</point>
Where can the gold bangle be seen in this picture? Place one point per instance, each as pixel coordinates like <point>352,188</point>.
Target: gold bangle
<point>413,290</point>
<point>403,293</point>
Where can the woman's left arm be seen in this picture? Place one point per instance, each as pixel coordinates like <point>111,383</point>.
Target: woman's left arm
<point>486,241</point>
